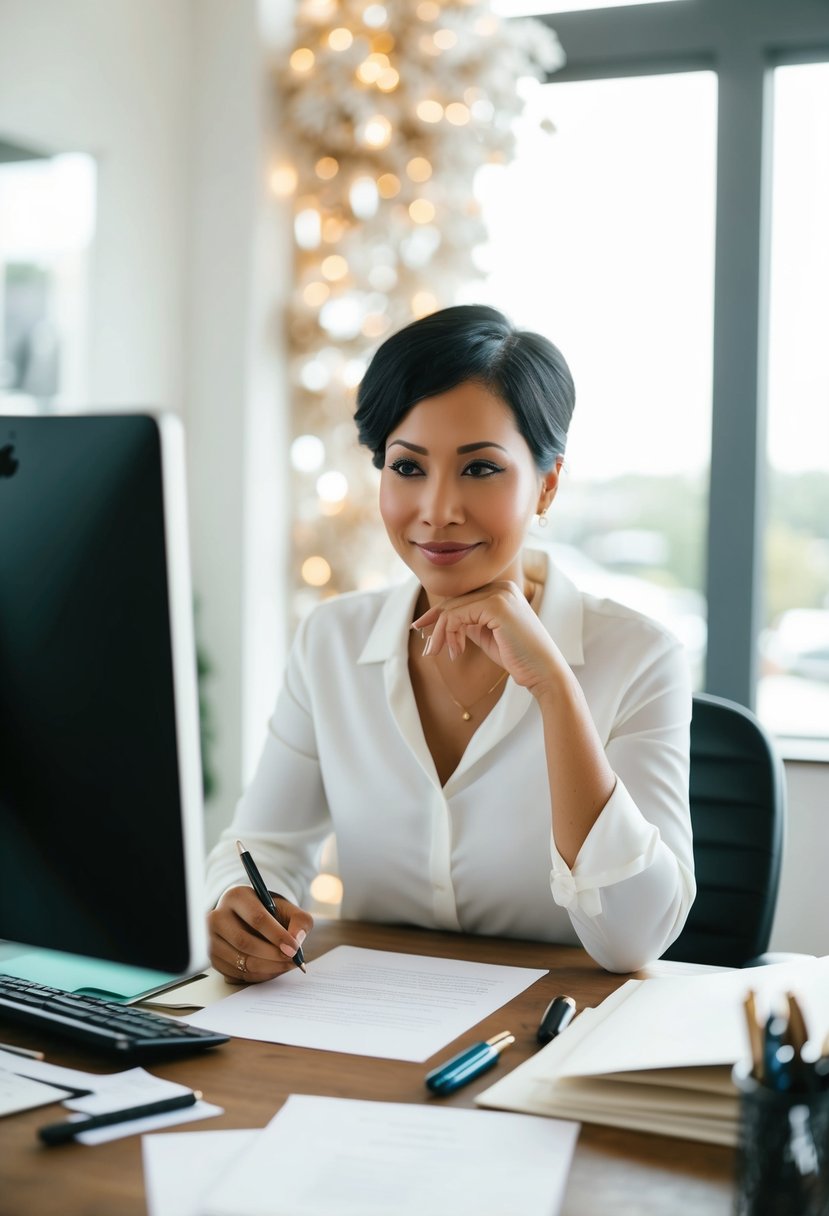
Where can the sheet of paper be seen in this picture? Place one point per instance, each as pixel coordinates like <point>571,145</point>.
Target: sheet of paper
<point>53,1074</point>
<point>370,1003</point>
<point>19,1093</point>
<point>324,1155</point>
<point>132,1088</point>
<point>122,1089</point>
<point>180,1168</point>
<point>195,994</point>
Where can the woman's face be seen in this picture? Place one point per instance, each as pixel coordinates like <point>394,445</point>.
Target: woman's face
<point>458,488</point>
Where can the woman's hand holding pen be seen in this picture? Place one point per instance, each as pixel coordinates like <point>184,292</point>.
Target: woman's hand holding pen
<point>247,945</point>
<point>500,620</point>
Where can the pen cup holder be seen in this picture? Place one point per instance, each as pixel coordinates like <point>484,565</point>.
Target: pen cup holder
<point>783,1150</point>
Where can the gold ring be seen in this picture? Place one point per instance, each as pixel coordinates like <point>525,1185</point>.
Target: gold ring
<point>241,963</point>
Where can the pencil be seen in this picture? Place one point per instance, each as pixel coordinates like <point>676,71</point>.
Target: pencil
<point>264,895</point>
<point>22,1051</point>
<point>59,1133</point>
<point>797,1023</point>
<point>755,1036</point>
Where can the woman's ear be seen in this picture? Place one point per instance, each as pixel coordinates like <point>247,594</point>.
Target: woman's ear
<point>549,486</point>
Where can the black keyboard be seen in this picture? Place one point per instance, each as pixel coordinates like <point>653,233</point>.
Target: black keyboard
<point>119,1030</point>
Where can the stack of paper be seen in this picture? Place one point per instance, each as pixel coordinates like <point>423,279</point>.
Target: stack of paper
<point>657,1054</point>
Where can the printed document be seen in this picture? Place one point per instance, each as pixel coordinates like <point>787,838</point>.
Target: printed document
<point>323,1155</point>
<point>370,1003</point>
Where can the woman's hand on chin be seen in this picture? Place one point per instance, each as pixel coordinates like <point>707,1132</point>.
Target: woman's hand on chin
<point>499,619</point>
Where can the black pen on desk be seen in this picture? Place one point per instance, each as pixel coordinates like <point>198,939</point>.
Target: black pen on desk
<point>59,1133</point>
<point>264,896</point>
<point>558,1015</point>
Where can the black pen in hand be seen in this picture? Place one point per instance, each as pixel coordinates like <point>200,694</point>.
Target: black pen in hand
<point>59,1133</point>
<point>265,897</point>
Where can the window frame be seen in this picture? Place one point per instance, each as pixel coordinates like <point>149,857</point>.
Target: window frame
<point>742,41</point>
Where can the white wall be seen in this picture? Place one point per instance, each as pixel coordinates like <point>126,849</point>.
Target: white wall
<point>802,919</point>
<point>235,390</point>
<point>170,98</point>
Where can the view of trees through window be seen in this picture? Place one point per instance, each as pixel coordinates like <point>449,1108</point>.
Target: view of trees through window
<point>602,238</point>
<point>794,647</point>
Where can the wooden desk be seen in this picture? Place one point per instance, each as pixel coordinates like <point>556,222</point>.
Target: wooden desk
<point>613,1171</point>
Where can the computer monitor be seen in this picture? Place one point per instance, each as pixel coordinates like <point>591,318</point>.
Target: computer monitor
<point>101,809</point>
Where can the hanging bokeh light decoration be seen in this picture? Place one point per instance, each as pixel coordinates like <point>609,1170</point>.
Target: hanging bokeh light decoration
<point>390,109</point>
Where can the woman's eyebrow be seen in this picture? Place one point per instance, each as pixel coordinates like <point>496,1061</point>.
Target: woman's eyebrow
<point>462,450</point>
<point>476,447</point>
<point>413,447</point>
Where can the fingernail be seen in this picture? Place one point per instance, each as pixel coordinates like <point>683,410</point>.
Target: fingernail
<point>301,936</point>
<point>453,654</point>
<point>428,645</point>
<point>289,950</point>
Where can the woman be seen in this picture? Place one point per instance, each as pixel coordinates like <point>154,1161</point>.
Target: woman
<point>496,752</point>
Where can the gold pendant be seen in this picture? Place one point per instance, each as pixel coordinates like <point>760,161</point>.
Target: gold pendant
<point>466,715</point>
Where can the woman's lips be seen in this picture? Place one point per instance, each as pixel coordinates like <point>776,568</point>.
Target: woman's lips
<point>445,553</point>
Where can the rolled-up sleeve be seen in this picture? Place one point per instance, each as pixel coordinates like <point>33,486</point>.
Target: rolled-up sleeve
<point>631,886</point>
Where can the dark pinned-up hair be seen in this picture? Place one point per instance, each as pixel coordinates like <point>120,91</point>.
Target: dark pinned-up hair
<point>469,342</point>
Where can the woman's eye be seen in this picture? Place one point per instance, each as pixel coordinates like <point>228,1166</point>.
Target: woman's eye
<point>481,468</point>
<point>406,468</point>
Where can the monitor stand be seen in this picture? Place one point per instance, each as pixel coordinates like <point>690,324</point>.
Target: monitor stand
<point>91,976</point>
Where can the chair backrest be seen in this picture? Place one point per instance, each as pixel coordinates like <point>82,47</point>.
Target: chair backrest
<point>738,808</point>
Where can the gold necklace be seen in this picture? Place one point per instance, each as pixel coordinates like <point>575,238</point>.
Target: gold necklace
<point>466,710</point>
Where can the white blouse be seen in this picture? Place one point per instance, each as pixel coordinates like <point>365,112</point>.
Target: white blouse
<point>346,753</point>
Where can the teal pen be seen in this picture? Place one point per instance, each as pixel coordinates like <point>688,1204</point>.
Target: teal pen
<point>467,1065</point>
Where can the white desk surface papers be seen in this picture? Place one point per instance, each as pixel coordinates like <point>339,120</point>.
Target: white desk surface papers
<point>369,1002</point>
<point>320,1156</point>
<point>108,1091</point>
<point>21,1093</point>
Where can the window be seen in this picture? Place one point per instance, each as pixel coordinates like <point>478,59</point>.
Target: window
<point>602,238</point>
<point>47,216</point>
<point>793,695</point>
<point>765,588</point>
<point>526,8</point>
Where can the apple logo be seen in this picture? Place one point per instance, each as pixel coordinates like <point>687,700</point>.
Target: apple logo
<point>8,463</point>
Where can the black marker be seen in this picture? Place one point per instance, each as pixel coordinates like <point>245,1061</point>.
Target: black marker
<point>558,1014</point>
<point>264,895</point>
<point>59,1133</point>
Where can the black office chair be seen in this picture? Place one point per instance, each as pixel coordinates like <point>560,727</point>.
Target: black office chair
<point>738,807</point>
